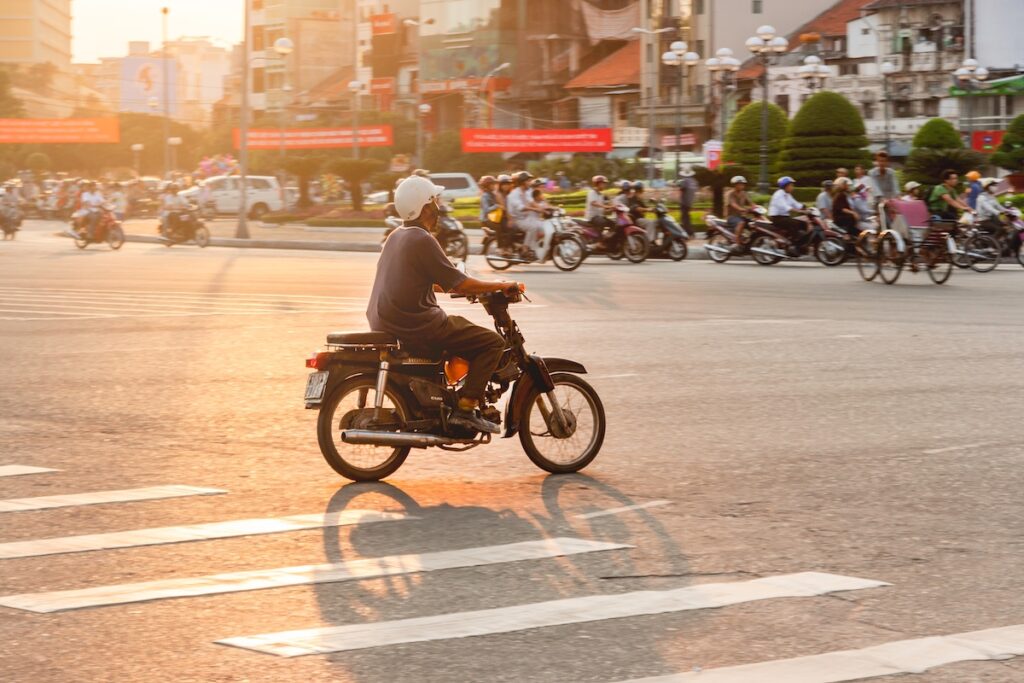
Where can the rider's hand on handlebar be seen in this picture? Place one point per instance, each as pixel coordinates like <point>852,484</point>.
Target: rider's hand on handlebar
<point>514,288</point>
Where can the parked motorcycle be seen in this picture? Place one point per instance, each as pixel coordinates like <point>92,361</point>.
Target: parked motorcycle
<point>626,239</point>
<point>669,240</point>
<point>108,229</point>
<point>377,400</point>
<point>188,227</point>
<point>566,249</point>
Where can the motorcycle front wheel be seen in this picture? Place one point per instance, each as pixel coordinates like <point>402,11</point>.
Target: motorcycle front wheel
<point>678,250</point>
<point>347,407</point>
<point>81,241</point>
<point>457,247</point>
<point>115,237</point>
<point>563,451</point>
<point>636,248</point>
<point>201,236</point>
<point>984,252</point>
<point>831,251</point>
<point>719,240</point>
<point>493,258</point>
<point>568,252</point>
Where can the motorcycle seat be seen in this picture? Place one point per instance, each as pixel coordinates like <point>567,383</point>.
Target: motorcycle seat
<point>381,339</point>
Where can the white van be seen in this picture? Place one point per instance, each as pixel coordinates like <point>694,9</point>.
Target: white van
<point>264,194</point>
<point>456,185</point>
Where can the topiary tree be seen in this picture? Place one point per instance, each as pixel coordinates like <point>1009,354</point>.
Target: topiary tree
<point>937,134</point>
<point>1010,154</point>
<point>743,139</point>
<point>38,163</point>
<point>355,172</point>
<point>827,132</point>
<point>304,167</point>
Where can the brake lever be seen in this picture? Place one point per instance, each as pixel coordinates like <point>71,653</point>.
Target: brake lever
<point>523,294</point>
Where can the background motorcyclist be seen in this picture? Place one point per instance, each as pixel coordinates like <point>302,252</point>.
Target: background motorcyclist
<point>412,266</point>
<point>944,200</point>
<point>783,203</point>
<point>523,215</point>
<point>990,211</point>
<point>92,201</point>
<point>738,206</point>
<point>638,210</point>
<point>171,206</point>
<point>597,204</point>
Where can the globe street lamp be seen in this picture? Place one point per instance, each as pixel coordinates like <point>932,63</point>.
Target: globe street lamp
<point>764,45</point>
<point>887,69</point>
<point>814,72</point>
<point>679,56</point>
<point>137,155</point>
<point>356,88</point>
<point>722,66</point>
<point>969,77</point>
<point>422,112</point>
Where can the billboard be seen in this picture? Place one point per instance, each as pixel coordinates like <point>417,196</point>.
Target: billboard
<point>315,138</point>
<point>519,140</point>
<point>463,41</point>
<point>60,131</point>
<point>142,79</point>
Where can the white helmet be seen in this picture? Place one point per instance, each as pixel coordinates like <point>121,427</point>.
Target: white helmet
<point>412,194</point>
<point>738,179</point>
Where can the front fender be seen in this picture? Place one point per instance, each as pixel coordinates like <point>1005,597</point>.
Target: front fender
<point>539,374</point>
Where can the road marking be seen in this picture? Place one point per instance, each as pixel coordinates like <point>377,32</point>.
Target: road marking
<point>849,336</point>
<point>775,340</point>
<point>193,532</point>
<point>625,374</point>
<point>352,570</point>
<point>542,614</point>
<point>98,497</point>
<point>16,470</point>
<point>916,656</point>
<point>951,449</point>
<point>619,511</point>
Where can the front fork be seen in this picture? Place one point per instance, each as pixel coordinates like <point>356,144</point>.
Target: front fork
<point>559,425</point>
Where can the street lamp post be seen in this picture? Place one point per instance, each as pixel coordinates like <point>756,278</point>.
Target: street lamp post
<point>722,66</point>
<point>679,56</point>
<point>356,88</point>
<point>137,157</point>
<point>764,45</point>
<point>969,76</point>
<point>887,69</point>
<point>166,89</point>
<point>485,86</point>
<point>814,72</point>
<point>173,144</point>
<point>648,33</point>
<point>422,112</point>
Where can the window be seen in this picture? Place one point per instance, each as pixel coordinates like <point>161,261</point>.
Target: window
<point>931,107</point>
<point>783,102</point>
<point>865,32</point>
<point>451,182</point>
<point>869,109</point>
<point>903,109</point>
<point>848,70</point>
<point>259,183</point>
<point>698,6</point>
<point>700,48</point>
<point>757,6</point>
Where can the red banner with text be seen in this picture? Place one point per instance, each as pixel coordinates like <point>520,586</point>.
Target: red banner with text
<point>316,138</point>
<point>516,140</point>
<point>59,131</point>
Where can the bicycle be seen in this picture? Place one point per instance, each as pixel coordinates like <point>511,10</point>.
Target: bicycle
<point>929,244</point>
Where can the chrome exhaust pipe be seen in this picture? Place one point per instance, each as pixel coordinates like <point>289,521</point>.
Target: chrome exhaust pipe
<point>506,259</point>
<point>366,437</point>
<point>770,252</point>
<point>713,247</point>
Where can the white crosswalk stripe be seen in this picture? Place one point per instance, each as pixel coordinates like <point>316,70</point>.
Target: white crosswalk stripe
<point>18,470</point>
<point>25,304</point>
<point>352,570</point>
<point>542,614</point>
<point>98,497</point>
<point>194,532</point>
<point>915,655</point>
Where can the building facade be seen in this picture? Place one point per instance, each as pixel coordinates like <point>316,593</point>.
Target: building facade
<point>36,32</point>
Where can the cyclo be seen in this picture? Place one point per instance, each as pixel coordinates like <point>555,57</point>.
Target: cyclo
<point>908,236</point>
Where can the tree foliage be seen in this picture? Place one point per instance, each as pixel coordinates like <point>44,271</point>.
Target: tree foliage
<point>444,153</point>
<point>1010,154</point>
<point>743,139</point>
<point>355,172</point>
<point>10,106</point>
<point>827,132</point>
<point>937,134</point>
<point>581,168</point>
<point>304,167</point>
<point>925,165</point>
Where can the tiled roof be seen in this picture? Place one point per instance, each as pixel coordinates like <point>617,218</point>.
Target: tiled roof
<point>883,4</point>
<point>620,68</point>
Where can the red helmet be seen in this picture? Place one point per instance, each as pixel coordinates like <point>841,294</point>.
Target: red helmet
<point>598,179</point>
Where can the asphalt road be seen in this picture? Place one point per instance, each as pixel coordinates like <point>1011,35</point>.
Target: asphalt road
<point>764,421</point>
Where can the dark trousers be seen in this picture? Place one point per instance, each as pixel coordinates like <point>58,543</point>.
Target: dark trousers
<point>790,227</point>
<point>684,219</point>
<point>480,346</point>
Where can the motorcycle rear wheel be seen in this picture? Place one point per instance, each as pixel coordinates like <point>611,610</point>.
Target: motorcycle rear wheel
<point>201,236</point>
<point>358,463</point>
<point>765,242</point>
<point>457,248</point>
<point>580,401</point>
<point>636,248</point>
<point>984,252</point>
<point>568,252</point>
<point>830,251</point>
<point>719,240</point>
<point>490,252</point>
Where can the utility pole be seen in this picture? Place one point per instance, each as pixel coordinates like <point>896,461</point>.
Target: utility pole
<point>242,231</point>
<point>166,89</point>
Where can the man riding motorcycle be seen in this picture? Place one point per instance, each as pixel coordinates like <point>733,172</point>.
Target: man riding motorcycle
<point>411,268</point>
<point>172,206</point>
<point>597,205</point>
<point>738,206</point>
<point>782,204</point>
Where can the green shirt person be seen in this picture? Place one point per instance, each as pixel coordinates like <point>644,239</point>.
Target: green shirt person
<point>944,199</point>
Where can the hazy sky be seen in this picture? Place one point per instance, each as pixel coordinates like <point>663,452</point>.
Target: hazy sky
<point>102,28</point>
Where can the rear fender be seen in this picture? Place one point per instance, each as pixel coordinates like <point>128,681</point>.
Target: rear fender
<point>539,374</point>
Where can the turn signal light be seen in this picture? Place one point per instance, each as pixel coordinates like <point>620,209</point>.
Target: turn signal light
<point>319,361</point>
<point>455,369</point>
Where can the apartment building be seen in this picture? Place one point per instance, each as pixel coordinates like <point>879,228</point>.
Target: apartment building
<point>36,32</point>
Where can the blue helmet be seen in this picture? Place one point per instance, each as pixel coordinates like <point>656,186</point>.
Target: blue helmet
<point>785,180</point>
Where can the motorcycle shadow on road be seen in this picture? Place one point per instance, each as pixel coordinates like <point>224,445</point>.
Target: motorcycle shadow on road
<point>469,515</point>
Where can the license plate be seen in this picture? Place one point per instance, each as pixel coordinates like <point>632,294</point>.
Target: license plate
<point>315,386</point>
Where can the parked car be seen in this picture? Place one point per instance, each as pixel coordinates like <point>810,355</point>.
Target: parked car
<point>456,185</point>
<point>264,194</point>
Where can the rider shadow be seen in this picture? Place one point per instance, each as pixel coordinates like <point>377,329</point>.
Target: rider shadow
<point>555,507</point>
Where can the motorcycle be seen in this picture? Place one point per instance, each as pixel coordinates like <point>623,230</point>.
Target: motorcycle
<point>723,243</point>
<point>566,249</point>
<point>626,239</point>
<point>108,229</point>
<point>188,227</point>
<point>825,241</point>
<point>10,221</point>
<point>669,239</point>
<point>377,400</point>
<point>450,234</point>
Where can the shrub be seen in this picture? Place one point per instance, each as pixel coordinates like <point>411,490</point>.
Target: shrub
<point>827,132</point>
<point>1010,154</point>
<point>925,165</point>
<point>743,139</point>
<point>938,134</point>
